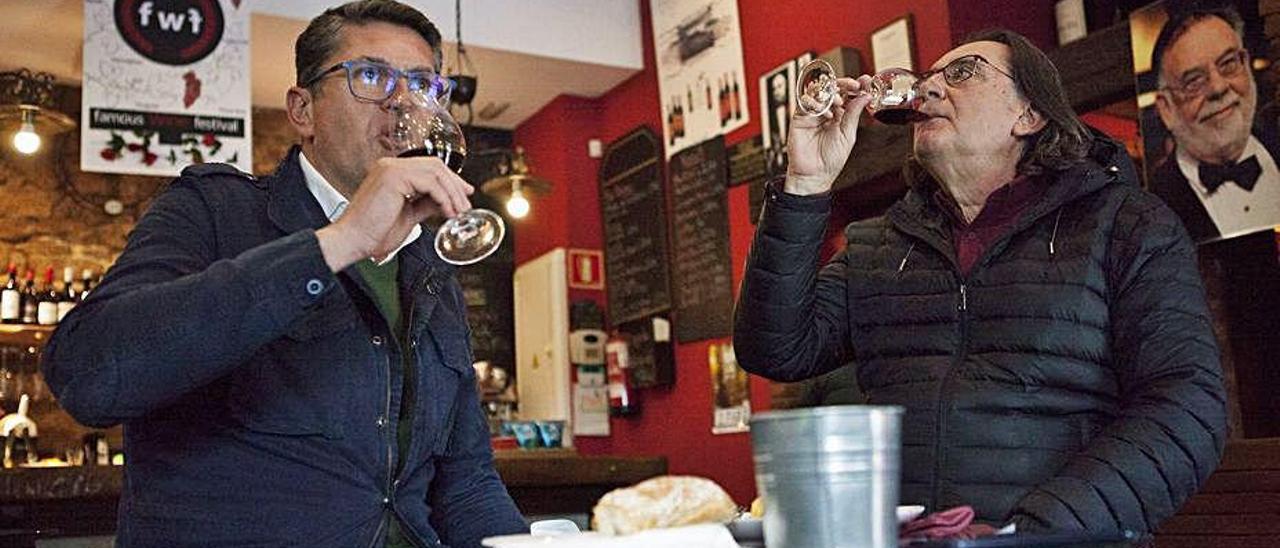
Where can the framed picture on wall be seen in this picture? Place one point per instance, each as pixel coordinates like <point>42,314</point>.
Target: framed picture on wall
<point>893,45</point>
<point>775,112</point>
<point>1209,123</point>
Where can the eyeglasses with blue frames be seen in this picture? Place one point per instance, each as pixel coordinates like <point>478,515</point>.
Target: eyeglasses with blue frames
<point>1195,82</point>
<point>961,69</point>
<point>374,81</point>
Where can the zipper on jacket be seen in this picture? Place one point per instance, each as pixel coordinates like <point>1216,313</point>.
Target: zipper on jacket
<point>388,495</point>
<point>942,401</point>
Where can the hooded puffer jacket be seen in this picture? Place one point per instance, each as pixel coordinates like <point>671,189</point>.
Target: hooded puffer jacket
<point>1070,380</point>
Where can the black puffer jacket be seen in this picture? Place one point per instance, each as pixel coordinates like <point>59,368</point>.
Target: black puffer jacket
<point>1069,381</point>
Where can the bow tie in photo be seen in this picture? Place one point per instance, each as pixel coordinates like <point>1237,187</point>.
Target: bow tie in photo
<point>1243,174</point>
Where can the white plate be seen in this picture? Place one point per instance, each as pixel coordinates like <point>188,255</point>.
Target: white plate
<point>522,541</point>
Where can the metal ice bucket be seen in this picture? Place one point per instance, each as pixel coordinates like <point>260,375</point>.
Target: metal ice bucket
<point>829,476</point>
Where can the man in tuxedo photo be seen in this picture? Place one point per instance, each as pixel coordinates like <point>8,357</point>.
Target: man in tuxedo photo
<point>1221,178</point>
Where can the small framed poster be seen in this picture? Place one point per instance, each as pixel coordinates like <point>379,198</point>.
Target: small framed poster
<point>893,45</point>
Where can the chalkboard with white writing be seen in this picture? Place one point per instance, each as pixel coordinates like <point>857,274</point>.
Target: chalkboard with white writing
<point>634,213</point>
<point>701,266</point>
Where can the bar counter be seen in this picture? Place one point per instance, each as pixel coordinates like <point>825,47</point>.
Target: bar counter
<point>81,500</point>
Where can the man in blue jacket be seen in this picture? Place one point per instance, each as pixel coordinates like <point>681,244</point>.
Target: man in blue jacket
<point>289,358</point>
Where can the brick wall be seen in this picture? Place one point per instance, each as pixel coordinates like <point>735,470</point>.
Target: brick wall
<point>51,213</point>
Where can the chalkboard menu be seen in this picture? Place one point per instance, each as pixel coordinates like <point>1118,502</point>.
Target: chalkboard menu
<point>487,290</point>
<point>634,212</point>
<point>702,269</point>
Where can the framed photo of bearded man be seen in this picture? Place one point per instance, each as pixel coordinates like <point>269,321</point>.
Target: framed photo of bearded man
<point>1209,121</point>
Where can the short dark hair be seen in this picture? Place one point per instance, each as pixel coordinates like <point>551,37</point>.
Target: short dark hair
<point>322,37</point>
<point>1184,14</point>
<point>1064,140</point>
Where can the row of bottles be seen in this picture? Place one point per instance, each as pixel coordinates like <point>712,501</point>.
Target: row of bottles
<point>21,301</point>
<point>729,105</point>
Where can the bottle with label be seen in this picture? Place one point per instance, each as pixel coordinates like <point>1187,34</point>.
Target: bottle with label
<point>30,301</point>
<point>69,296</point>
<point>11,298</point>
<point>86,283</point>
<point>622,400</point>
<point>735,106</point>
<point>47,301</point>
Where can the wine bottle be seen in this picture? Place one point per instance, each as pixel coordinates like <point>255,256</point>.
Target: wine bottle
<point>734,100</point>
<point>47,301</point>
<point>11,298</point>
<point>69,296</point>
<point>86,283</point>
<point>30,301</point>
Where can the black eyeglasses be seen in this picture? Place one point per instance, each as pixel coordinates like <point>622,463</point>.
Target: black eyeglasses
<point>1195,82</point>
<point>961,69</point>
<point>373,81</point>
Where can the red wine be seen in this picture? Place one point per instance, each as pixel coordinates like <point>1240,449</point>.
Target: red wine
<point>452,157</point>
<point>899,116</point>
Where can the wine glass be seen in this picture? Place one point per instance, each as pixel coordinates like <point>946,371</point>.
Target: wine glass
<point>893,93</point>
<point>425,128</point>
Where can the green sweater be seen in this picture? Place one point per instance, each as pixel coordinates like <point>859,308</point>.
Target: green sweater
<point>382,280</point>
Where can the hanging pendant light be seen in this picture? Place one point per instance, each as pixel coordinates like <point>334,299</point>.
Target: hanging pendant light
<point>26,109</point>
<point>514,184</point>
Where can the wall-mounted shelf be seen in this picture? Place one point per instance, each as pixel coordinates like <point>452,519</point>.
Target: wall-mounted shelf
<point>23,334</point>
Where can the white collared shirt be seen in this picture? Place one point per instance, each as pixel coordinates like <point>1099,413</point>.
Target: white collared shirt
<point>334,204</point>
<point>1234,210</point>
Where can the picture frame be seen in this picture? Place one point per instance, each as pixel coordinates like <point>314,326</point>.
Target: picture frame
<point>893,45</point>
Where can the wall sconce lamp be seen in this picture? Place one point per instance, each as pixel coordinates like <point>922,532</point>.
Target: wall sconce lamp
<point>514,184</point>
<point>26,109</point>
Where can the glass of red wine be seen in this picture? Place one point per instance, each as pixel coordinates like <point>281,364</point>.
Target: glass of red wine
<point>893,93</point>
<point>425,128</point>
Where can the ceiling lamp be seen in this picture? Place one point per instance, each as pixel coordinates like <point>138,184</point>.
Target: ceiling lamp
<point>463,75</point>
<point>514,184</point>
<point>26,109</point>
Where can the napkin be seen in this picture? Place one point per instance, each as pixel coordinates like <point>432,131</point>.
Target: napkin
<point>953,523</point>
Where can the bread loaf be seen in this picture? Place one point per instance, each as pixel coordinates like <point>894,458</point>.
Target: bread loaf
<point>664,501</point>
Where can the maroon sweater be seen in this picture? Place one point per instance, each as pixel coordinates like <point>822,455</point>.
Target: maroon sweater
<point>1003,208</point>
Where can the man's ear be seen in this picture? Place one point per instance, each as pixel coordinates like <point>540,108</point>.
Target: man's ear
<point>299,105</point>
<point>1165,108</point>
<point>1029,123</point>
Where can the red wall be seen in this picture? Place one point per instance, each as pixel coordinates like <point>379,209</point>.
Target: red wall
<point>676,421</point>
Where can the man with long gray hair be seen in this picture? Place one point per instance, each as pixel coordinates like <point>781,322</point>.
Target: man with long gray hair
<point>1039,316</point>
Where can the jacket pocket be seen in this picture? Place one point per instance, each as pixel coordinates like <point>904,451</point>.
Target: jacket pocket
<point>448,381</point>
<point>298,385</point>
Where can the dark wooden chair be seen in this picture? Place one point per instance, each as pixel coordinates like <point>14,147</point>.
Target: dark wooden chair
<point>1239,507</point>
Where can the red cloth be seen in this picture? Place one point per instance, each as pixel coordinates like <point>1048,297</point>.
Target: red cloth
<point>954,523</point>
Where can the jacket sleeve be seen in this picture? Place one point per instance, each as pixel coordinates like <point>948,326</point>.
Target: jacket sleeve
<point>170,316</point>
<point>1171,427</point>
<point>790,321</point>
<point>468,499</point>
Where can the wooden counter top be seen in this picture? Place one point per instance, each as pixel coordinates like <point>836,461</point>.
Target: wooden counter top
<point>541,481</point>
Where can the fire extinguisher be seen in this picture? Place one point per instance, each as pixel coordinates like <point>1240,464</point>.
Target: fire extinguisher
<point>622,399</point>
